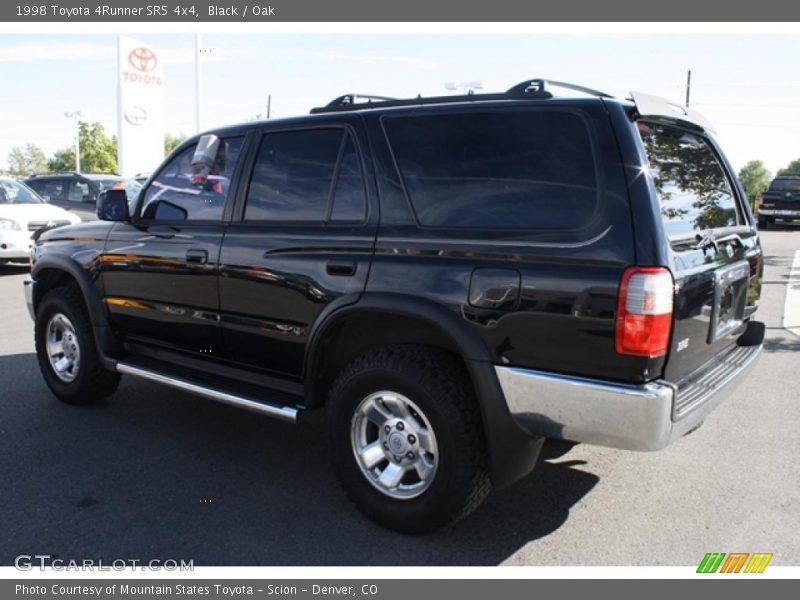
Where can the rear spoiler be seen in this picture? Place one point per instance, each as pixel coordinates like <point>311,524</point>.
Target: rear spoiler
<point>655,106</point>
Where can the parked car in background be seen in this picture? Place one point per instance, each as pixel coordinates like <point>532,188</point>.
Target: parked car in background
<point>70,188</point>
<point>780,201</point>
<point>140,178</point>
<point>23,213</point>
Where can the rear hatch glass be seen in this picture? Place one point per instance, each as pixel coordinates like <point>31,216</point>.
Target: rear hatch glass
<point>704,222</point>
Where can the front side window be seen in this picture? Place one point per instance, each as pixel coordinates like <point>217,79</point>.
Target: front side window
<point>308,176</point>
<point>694,192</point>
<point>520,169</point>
<point>183,192</point>
<point>55,190</point>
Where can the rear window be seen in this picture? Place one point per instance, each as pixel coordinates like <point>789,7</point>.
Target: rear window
<point>785,185</point>
<point>524,169</point>
<point>694,192</point>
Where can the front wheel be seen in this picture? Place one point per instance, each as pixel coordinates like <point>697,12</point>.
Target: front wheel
<point>66,349</point>
<point>407,438</point>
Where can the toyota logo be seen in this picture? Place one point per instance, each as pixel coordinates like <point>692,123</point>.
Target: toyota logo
<point>135,115</point>
<point>143,59</point>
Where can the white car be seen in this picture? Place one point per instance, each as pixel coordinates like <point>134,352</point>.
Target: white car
<point>22,213</point>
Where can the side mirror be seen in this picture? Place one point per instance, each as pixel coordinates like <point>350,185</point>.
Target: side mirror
<point>112,205</point>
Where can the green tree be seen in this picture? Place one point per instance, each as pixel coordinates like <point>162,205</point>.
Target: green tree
<point>755,178</point>
<point>26,161</point>
<point>792,169</point>
<point>62,160</point>
<point>98,152</point>
<point>172,141</point>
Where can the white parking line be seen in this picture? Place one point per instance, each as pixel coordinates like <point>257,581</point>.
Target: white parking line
<point>791,311</point>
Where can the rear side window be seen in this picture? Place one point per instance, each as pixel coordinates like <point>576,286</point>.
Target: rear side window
<point>306,176</point>
<point>525,169</point>
<point>694,192</point>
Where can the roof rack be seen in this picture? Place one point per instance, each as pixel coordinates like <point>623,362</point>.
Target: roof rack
<point>530,88</point>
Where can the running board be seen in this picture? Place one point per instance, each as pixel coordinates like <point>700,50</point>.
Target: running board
<point>284,413</point>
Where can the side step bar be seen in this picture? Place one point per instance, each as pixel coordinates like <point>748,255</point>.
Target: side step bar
<point>284,413</point>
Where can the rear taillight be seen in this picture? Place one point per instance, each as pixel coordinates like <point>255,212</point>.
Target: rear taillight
<point>644,312</point>
<point>761,199</point>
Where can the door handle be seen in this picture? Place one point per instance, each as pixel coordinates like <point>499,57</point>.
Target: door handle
<point>343,268</point>
<point>197,256</point>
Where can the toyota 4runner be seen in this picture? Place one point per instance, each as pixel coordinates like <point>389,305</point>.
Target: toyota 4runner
<point>455,279</point>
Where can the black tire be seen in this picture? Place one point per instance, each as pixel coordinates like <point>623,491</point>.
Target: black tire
<point>92,382</point>
<point>763,224</point>
<point>439,385</point>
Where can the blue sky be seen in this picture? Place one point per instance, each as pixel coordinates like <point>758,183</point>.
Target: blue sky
<point>743,83</point>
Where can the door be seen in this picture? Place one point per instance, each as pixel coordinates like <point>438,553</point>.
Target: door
<point>716,253</point>
<point>160,270</point>
<point>303,238</point>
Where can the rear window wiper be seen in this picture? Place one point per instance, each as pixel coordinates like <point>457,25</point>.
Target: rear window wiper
<point>707,240</point>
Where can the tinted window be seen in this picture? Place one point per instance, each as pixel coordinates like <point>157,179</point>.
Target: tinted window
<point>511,170</point>
<point>694,192</point>
<point>183,191</point>
<point>54,190</point>
<point>785,185</point>
<point>80,191</point>
<point>348,198</point>
<point>292,176</point>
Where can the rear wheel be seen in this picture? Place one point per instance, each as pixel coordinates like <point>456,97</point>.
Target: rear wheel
<point>407,439</point>
<point>66,349</point>
<point>763,223</point>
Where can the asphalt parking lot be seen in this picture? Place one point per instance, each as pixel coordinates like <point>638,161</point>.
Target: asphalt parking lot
<point>155,473</point>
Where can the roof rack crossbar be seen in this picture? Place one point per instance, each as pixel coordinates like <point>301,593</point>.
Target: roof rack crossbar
<point>349,99</point>
<point>538,86</point>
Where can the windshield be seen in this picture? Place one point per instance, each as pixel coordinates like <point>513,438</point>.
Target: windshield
<point>785,185</point>
<point>13,192</point>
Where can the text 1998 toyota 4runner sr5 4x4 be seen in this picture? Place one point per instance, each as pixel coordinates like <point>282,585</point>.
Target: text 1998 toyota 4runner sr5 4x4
<point>455,279</point>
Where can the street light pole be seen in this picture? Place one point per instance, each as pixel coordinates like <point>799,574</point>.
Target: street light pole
<point>198,82</point>
<point>76,114</point>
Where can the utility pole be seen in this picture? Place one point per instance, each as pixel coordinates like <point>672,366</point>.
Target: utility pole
<point>198,82</point>
<point>269,104</point>
<point>688,86</point>
<point>76,114</point>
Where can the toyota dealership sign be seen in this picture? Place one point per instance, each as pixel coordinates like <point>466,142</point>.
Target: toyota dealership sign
<point>141,107</point>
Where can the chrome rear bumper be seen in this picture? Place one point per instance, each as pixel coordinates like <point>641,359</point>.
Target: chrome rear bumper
<point>649,416</point>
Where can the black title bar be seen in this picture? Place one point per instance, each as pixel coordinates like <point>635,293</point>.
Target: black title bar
<point>264,11</point>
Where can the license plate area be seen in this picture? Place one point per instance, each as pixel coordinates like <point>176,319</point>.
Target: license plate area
<point>730,299</point>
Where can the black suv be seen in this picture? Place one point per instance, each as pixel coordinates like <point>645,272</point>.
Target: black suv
<point>455,279</point>
<point>70,188</point>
